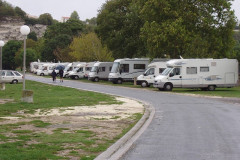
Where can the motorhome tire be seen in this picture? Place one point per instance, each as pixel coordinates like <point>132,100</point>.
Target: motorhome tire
<point>211,88</point>
<point>168,87</point>
<point>76,77</point>
<point>14,81</point>
<point>41,74</point>
<point>96,79</point>
<point>144,84</point>
<point>119,81</point>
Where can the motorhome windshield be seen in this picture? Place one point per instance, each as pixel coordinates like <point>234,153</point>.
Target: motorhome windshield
<point>94,69</point>
<point>115,67</point>
<point>149,71</point>
<point>75,69</point>
<point>167,71</point>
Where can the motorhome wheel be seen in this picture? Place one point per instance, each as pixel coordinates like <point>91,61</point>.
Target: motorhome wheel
<point>41,74</point>
<point>96,79</point>
<point>211,88</point>
<point>76,77</point>
<point>144,84</point>
<point>119,81</point>
<point>168,87</point>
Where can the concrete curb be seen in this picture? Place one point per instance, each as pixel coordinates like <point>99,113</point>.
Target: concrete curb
<point>119,148</point>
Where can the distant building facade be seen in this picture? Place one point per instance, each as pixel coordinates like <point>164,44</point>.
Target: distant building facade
<point>65,19</point>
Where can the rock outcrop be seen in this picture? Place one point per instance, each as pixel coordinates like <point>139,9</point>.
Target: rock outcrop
<point>10,29</point>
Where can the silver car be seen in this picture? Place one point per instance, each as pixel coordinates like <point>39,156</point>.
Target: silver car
<point>9,76</point>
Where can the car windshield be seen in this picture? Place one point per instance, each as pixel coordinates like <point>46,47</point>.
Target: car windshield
<point>115,67</point>
<point>167,71</point>
<point>75,69</point>
<point>94,69</point>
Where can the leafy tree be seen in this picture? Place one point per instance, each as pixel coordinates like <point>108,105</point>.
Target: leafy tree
<point>74,16</point>
<point>8,54</point>
<point>59,36</point>
<point>188,28</point>
<point>6,9</point>
<point>118,25</point>
<point>89,48</point>
<point>31,56</point>
<point>63,54</point>
<point>45,19</point>
<point>20,12</point>
<point>32,36</point>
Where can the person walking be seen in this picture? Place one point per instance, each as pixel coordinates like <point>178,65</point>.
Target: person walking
<point>54,75</point>
<point>61,74</point>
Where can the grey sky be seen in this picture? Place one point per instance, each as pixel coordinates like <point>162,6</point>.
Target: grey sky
<point>63,8</point>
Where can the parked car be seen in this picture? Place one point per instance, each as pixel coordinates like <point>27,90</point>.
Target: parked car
<point>9,76</point>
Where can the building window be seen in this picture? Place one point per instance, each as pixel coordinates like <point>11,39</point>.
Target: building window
<point>139,66</point>
<point>204,69</point>
<point>191,70</point>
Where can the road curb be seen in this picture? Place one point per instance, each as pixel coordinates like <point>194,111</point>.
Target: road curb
<point>119,148</point>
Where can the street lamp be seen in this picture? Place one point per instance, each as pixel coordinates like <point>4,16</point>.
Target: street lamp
<point>1,45</point>
<point>25,30</point>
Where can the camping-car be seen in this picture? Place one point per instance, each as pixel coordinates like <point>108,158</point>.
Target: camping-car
<point>100,70</point>
<point>206,74</point>
<point>127,69</point>
<point>81,71</point>
<point>154,69</point>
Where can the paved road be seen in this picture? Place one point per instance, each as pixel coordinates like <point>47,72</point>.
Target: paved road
<point>183,128</point>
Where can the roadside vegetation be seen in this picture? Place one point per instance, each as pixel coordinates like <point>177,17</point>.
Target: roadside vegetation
<point>24,135</point>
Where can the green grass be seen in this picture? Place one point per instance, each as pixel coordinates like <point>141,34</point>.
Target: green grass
<point>221,92</point>
<point>47,97</point>
<point>17,142</point>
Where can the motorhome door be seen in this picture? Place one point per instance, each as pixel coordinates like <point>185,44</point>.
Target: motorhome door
<point>175,77</point>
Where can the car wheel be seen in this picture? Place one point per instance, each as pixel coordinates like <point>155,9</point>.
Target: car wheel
<point>144,84</point>
<point>96,79</point>
<point>211,88</point>
<point>14,81</point>
<point>119,81</point>
<point>76,77</point>
<point>41,74</point>
<point>168,87</point>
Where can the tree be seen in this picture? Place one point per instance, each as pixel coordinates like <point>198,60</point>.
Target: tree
<point>32,36</point>
<point>74,16</point>
<point>31,56</point>
<point>118,26</point>
<point>45,19</point>
<point>88,48</point>
<point>59,36</point>
<point>9,52</point>
<point>20,12</point>
<point>188,28</point>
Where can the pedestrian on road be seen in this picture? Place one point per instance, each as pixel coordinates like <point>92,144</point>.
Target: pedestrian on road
<point>61,74</point>
<point>54,75</point>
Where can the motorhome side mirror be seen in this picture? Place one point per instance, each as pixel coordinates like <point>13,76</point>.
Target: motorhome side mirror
<point>120,71</point>
<point>144,74</point>
<point>171,75</point>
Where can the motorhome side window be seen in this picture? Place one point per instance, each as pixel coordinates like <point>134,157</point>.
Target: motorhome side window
<point>139,66</point>
<point>191,70</point>
<point>176,71</point>
<point>161,70</point>
<point>110,68</point>
<point>204,69</point>
<point>102,69</point>
<point>125,68</point>
<point>88,68</point>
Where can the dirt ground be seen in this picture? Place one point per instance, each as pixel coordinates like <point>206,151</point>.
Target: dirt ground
<point>107,121</point>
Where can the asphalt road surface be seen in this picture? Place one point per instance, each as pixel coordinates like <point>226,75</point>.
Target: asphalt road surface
<point>183,128</point>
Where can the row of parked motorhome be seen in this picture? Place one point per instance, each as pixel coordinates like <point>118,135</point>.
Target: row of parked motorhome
<point>163,74</point>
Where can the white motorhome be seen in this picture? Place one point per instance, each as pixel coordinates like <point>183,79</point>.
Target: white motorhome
<point>81,71</point>
<point>100,70</point>
<point>206,74</point>
<point>127,69</point>
<point>45,69</point>
<point>154,69</point>
<point>33,66</point>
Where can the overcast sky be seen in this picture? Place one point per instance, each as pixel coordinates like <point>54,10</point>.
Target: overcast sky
<point>63,8</point>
